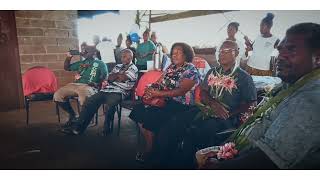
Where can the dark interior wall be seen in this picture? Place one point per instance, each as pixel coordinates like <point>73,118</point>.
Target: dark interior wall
<point>33,38</point>
<point>11,96</point>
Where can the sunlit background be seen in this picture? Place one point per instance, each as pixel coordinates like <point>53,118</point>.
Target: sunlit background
<point>202,31</point>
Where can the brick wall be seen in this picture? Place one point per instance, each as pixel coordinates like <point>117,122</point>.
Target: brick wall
<point>44,37</point>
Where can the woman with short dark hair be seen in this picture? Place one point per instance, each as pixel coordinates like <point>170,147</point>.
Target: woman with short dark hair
<point>176,86</point>
<point>187,51</point>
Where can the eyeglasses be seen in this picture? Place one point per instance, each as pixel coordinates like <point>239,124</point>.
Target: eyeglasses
<point>226,50</point>
<point>84,51</point>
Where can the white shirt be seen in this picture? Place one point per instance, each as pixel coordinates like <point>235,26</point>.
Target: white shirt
<point>263,48</point>
<point>106,49</point>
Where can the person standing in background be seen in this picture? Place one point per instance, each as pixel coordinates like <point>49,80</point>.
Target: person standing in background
<point>117,51</point>
<point>96,41</point>
<point>232,31</point>
<point>262,49</point>
<point>106,48</point>
<point>145,51</point>
<point>129,46</point>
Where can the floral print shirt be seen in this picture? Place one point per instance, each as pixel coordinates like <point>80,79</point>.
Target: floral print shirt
<point>172,78</point>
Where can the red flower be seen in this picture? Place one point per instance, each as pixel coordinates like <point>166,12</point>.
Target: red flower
<point>229,83</point>
<point>214,80</point>
<point>227,151</point>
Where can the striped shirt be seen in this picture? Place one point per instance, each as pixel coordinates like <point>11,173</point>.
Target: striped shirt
<point>131,71</point>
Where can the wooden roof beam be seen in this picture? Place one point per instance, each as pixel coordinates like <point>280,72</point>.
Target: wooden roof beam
<point>186,14</point>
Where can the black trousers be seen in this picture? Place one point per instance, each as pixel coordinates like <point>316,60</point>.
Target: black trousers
<point>170,135</point>
<point>195,134</point>
<point>92,105</point>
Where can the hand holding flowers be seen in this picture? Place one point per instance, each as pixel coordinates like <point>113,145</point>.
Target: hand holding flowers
<point>218,84</point>
<point>227,151</point>
<point>224,152</point>
<point>219,109</point>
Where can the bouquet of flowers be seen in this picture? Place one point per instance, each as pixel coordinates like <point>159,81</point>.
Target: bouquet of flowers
<point>219,84</point>
<point>227,151</point>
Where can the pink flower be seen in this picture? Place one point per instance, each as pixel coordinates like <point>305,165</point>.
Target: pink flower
<point>235,151</point>
<point>229,83</point>
<point>245,116</point>
<point>214,80</point>
<point>219,155</point>
<point>227,151</point>
<point>228,155</point>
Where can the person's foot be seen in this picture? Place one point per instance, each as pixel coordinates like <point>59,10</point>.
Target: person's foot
<point>71,122</point>
<point>143,157</point>
<point>104,133</point>
<point>76,132</point>
<point>70,131</point>
<point>66,130</point>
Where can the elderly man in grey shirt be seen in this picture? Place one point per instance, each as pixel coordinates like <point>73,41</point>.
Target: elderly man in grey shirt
<point>288,137</point>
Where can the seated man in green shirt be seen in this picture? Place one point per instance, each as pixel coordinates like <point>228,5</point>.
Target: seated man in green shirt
<point>90,73</point>
<point>145,51</point>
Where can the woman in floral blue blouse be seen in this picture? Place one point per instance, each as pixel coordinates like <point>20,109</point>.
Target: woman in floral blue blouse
<point>176,85</point>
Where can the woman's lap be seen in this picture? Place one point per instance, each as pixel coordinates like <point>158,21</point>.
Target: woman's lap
<point>153,118</point>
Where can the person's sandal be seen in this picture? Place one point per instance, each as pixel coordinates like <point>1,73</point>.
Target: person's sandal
<point>70,122</point>
<point>143,157</point>
<point>140,157</point>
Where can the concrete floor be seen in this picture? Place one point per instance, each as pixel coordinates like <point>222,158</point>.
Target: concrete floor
<point>40,146</point>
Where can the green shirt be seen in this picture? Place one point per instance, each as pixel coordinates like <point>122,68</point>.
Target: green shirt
<point>145,48</point>
<point>90,70</point>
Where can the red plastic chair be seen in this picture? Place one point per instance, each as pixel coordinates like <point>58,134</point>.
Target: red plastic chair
<point>39,84</point>
<point>128,103</point>
<point>197,94</point>
<point>146,79</point>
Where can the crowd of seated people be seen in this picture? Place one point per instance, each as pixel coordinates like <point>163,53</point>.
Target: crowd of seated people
<point>228,107</point>
<point>116,87</point>
<point>282,132</point>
